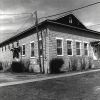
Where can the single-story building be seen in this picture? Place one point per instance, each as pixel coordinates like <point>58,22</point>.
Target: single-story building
<point>61,37</point>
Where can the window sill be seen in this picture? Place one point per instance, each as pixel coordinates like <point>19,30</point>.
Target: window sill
<point>70,55</point>
<point>78,55</point>
<point>23,55</point>
<point>32,57</point>
<point>60,55</point>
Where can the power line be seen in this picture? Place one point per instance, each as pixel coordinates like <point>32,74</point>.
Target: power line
<point>23,24</point>
<point>17,14</point>
<point>94,25</point>
<point>56,14</point>
<point>71,10</point>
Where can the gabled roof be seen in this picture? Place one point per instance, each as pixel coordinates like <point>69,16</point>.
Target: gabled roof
<point>54,21</point>
<point>65,19</point>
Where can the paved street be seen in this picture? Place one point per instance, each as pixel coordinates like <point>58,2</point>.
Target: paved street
<point>79,87</point>
<point>15,77</point>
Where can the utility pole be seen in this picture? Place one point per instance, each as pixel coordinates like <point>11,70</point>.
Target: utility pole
<point>37,30</point>
<point>42,53</point>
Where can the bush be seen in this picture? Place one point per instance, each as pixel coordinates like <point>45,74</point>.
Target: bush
<point>26,63</point>
<point>74,64</point>
<point>17,66</point>
<point>1,67</point>
<point>83,63</point>
<point>90,63</point>
<point>55,65</point>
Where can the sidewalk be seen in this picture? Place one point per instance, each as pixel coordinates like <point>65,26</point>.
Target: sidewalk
<point>7,79</point>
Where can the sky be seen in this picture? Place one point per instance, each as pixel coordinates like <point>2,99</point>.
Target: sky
<point>12,24</point>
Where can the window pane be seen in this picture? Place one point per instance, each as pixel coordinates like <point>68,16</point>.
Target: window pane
<point>69,47</point>
<point>32,49</point>
<point>5,48</point>
<point>41,51</point>
<point>59,51</point>
<point>59,46</point>
<point>85,45</point>
<point>77,44</point>
<point>78,52</point>
<point>69,51</point>
<point>23,50</point>
<point>85,52</point>
<point>69,44</point>
<point>59,43</point>
<point>85,49</point>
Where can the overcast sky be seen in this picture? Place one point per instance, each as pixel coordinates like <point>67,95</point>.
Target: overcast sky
<point>10,24</point>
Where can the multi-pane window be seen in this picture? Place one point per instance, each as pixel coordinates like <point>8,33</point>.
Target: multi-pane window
<point>17,43</point>
<point>59,47</point>
<point>86,49</point>
<point>5,48</point>
<point>69,47</point>
<point>32,49</point>
<point>12,45</point>
<point>78,48</point>
<point>9,46</point>
<point>23,49</point>
<point>41,50</point>
<point>2,48</point>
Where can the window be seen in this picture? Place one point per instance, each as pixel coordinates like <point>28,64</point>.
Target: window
<point>12,45</point>
<point>86,49</point>
<point>17,43</point>
<point>59,47</point>
<point>9,46</point>
<point>32,49</point>
<point>2,48</point>
<point>69,47</point>
<point>5,48</point>
<point>70,20</point>
<point>41,50</point>
<point>23,50</point>
<point>78,48</point>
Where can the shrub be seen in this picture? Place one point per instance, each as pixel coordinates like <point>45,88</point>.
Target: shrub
<point>90,63</point>
<point>83,63</point>
<point>26,63</point>
<point>17,66</point>
<point>1,67</point>
<point>74,62</point>
<point>55,65</point>
<point>5,66</point>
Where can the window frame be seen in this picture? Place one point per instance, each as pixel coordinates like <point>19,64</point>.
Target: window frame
<point>30,50</point>
<point>80,47</point>
<point>71,46</point>
<point>40,39</point>
<point>5,48</point>
<point>2,49</point>
<point>87,48</point>
<point>58,38</point>
<point>22,50</point>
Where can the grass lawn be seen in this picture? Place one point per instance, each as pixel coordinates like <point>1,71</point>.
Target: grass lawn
<point>80,87</point>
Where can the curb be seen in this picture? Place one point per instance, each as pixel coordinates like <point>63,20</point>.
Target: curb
<point>46,78</point>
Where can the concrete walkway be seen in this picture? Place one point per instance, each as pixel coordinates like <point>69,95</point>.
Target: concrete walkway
<point>11,79</point>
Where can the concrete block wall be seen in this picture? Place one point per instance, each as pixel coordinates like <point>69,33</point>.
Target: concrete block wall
<point>49,45</point>
<point>34,61</point>
<point>67,33</point>
<point>7,55</point>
